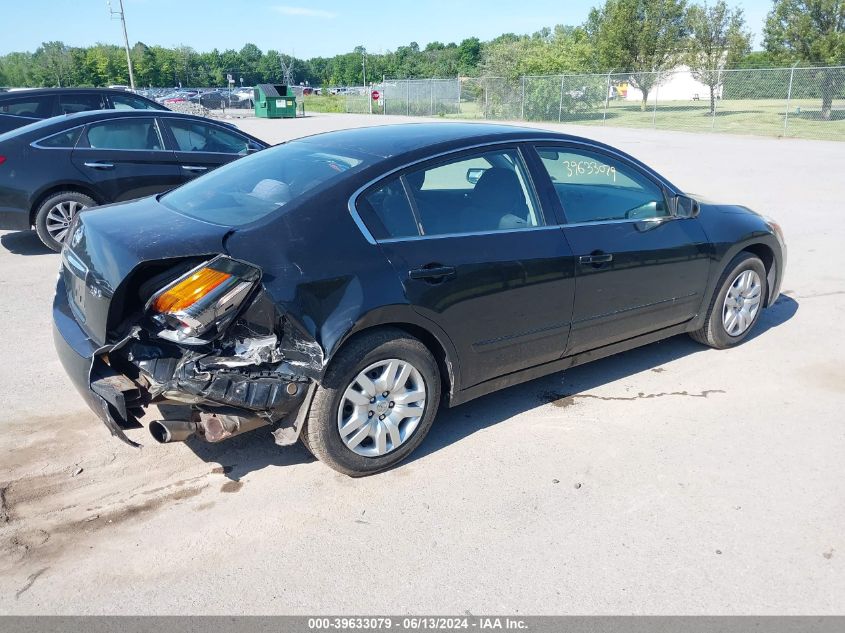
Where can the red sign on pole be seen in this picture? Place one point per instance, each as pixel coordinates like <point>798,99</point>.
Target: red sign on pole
<point>376,96</point>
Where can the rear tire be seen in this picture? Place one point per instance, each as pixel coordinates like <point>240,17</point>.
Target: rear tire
<point>745,267</point>
<point>55,215</point>
<point>385,354</point>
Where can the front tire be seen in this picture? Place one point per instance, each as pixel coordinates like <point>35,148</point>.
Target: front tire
<point>54,216</point>
<point>735,308</point>
<point>376,403</point>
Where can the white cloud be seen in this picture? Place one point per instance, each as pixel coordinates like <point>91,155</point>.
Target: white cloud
<point>305,12</point>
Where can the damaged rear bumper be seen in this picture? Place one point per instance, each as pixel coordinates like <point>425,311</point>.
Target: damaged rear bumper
<point>76,353</point>
<point>225,396</point>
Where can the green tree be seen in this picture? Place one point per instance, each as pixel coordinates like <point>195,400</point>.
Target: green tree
<point>250,58</point>
<point>757,59</point>
<point>469,55</point>
<point>717,40</point>
<point>53,61</point>
<point>643,38</point>
<point>564,49</point>
<point>17,69</point>
<point>144,65</point>
<point>813,32</point>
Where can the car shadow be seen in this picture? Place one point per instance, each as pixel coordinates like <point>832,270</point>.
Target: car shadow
<point>249,452</point>
<point>453,425</point>
<point>256,450</point>
<point>24,243</point>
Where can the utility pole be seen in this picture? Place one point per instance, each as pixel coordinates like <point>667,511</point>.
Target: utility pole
<point>364,64</point>
<point>121,13</point>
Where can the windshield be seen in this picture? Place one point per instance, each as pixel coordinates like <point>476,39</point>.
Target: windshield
<point>253,187</point>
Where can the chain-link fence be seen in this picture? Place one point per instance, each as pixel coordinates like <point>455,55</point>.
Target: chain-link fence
<point>411,97</point>
<point>796,102</point>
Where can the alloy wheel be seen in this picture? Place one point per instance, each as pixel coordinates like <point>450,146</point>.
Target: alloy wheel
<point>59,218</point>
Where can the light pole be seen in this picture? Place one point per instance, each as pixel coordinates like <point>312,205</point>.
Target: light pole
<point>125,40</point>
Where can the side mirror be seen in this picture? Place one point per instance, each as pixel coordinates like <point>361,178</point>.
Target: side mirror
<point>474,174</point>
<point>686,207</point>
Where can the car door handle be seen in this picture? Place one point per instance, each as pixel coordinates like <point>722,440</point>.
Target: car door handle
<point>194,168</point>
<point>98,165</point>
<point>432,272</point>
<point>596,258</point>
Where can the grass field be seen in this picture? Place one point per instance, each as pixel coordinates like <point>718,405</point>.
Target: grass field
<point>325,103</point>
<point>747,116</point>
<point>763,117</point>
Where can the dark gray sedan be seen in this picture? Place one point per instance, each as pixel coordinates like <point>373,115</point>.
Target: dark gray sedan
<point>53,169</point>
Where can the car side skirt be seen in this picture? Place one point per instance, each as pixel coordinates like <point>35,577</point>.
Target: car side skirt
<point>566,362</point>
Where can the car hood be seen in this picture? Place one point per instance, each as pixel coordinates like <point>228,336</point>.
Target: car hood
<point>107,243</point>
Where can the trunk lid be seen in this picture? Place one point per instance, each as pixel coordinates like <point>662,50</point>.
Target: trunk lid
<point>106,244</point>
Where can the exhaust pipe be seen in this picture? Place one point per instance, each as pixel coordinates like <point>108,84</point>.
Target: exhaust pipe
<point>211,427</point>
<point>165,431</point>
<point>216,428</point>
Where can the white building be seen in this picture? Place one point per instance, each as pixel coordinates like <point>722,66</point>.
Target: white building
<point>675,85</point>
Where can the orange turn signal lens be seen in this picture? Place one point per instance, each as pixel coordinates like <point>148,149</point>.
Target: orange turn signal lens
<point>189,290</point>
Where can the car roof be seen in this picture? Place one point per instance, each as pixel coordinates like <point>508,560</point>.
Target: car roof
<point>64,121</point>
<point>85,115</point>
<point>398,144</point>
<point>386,141</point>
<point>52,91</point>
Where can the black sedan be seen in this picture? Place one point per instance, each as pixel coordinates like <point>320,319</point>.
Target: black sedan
<point>20,107</point>
<point>52,169</point>
<point>340,288</point>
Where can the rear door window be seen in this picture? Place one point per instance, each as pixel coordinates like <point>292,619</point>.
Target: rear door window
<point>489,191</point>
<point>125,134</point>
<point>81,102</point>
<point>31,106</point>
<point>192,136</point>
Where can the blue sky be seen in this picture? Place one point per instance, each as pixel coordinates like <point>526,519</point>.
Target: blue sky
<point>306,28</point>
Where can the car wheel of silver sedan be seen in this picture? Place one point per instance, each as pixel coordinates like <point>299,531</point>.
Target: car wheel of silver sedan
<point>375,404</point>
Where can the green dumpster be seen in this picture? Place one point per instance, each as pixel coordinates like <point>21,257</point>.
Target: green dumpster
<point>274,101</point>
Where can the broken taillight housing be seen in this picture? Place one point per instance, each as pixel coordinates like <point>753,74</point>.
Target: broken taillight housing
<point>203,300</point>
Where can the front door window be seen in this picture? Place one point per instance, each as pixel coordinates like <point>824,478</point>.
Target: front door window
<point>596,188</point>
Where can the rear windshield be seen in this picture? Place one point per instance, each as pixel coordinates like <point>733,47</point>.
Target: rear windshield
<point>30,127</point>
<point>253,187</point>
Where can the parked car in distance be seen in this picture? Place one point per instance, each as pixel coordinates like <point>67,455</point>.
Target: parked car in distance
<point>339,286</point>
<point>178,97</point>
<point>211,99</point>
<point>21,107</point>
<point>52,169</point>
